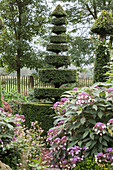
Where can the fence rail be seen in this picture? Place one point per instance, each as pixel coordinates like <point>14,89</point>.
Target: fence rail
<point>27,82</point>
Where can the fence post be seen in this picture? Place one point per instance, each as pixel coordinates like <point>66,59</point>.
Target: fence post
<point>31,82</point>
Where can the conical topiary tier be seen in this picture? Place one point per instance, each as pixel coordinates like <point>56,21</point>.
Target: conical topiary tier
<point>56,76</point>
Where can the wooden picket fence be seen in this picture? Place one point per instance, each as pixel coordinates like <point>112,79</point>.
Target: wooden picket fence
<point>28,82</point>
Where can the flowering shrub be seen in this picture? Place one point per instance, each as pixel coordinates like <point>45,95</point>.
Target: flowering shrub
<point>18,145</point>
<point>8,125</point>
<point>78,121</point>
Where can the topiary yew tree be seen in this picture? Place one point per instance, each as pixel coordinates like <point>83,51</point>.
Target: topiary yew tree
<point>102,26</point>
<point>56,76</point>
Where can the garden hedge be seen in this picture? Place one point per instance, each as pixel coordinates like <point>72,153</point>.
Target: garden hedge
<point>41,112</point>
<point>58,60</point>
<point>59,21</point>
<point>42,93</point>
<point>60,76</point>
<point>57,47</point>
<point>58,39</point>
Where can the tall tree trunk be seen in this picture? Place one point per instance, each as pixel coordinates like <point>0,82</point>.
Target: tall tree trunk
<point>18,79</point>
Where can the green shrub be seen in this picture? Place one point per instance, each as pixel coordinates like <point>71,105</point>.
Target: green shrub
<point>40,112</point>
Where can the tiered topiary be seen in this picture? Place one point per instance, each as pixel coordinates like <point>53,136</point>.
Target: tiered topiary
<point>56,76</point>
<point>102,26</point>
<point>43,111</point>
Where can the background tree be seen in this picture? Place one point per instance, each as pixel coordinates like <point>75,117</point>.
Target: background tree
<point>23,20</point>
<point>81,16</point>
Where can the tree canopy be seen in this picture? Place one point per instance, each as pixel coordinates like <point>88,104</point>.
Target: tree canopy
<point>23,20</point>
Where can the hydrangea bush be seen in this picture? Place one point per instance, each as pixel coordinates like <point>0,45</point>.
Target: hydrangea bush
<point>81,122</point>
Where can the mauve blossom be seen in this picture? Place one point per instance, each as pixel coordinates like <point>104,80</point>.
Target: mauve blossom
<point>99,125</point>
<point>109,150</point>
<point>1,109</point>
<point>75,89</point>
<point>83,94</point>
<point>110,89</point>
<point>99,154</point>
<point>22,116</point>
<point>64,162</point>
<point>110,121</point>
<point>63,99</point>
<point>63,138</point>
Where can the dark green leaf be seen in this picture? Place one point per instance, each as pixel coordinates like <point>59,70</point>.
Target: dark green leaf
<point>92,121</point>
<point>85,134</point>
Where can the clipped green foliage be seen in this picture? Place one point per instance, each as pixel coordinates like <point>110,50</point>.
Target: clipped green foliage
<point>38,112</point>
<point>57,47</point>
<point>41,93</point>
<point>58,39</point>
<point>101,60</point>
<point>55,76</point>
<point>58,29</point>
<point>58,60</point>
<point>59,12</point>
<point>1,23</point>
<point>59,21</point>
<point>104,24</point>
